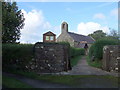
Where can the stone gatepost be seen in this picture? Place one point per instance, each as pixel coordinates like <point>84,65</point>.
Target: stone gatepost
<point>51,57</point>
<point>111,58</point>
<point>106,58</point>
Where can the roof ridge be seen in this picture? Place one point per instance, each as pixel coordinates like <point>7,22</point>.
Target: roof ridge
<point>80,37</point>
<point>76,33</point>
<point>49,32</point>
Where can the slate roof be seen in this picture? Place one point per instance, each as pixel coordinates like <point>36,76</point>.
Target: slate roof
<point>81,45</point>
<point>79,37</point>
<point>49,33</point>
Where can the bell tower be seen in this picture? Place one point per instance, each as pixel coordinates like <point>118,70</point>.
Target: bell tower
<point>64,27</point>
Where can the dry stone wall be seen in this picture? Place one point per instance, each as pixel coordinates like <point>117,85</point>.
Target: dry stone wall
<point>51,58</point>
<point>111,58</point>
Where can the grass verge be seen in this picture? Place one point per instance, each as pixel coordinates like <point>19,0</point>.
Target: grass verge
<point>72,80</point>
<point>10,82</point>
<point>96,63</point>
<point>75,60</point>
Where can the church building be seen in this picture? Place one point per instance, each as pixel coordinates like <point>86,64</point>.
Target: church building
<point>75,40</point>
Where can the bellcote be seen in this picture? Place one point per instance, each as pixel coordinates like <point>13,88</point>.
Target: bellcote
<point>64,27</point>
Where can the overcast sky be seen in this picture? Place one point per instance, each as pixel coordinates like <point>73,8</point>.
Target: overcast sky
<point>82,18</point>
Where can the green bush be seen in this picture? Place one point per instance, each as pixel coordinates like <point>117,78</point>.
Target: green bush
<point>64,43</point>
<point>76,51</point>
<point>96,49</point>
<point>16,55</point>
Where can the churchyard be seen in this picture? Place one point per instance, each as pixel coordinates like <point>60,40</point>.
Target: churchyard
<point>27,61</point>
<point>67,60</point>
<point>62,64</point>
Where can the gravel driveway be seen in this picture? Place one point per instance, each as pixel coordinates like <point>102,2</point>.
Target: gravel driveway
<point>82,68</point>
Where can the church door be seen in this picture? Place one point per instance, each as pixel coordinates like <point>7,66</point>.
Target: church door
<point>86,49</point>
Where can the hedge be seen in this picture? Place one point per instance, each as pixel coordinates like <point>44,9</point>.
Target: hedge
<point>96,49</point>
<point>76,51</point>
<point>65,43</point>
<point>16,55</point>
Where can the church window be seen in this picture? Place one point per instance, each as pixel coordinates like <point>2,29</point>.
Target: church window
<point>51,38</point>
<point>47,37</point>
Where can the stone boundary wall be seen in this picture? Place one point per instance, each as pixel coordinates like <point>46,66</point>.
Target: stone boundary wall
<point>51,57</point>
<point>111,58</point>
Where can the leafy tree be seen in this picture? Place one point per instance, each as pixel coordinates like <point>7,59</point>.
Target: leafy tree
<point>113,34</point>
<point>12,22</point>
<point>98,34</point>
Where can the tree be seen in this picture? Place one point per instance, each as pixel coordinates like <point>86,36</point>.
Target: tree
<point>113,34</point>
<point>98,34</point>
<point>12,22</point>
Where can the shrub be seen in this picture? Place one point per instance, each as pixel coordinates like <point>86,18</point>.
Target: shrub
<point>96,49</point>
<point>76,51</point>
<point>65,43</point>
<point>16,55</point>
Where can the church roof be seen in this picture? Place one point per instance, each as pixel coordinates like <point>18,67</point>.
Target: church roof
<point>79,37</point>
<point>81,45</point>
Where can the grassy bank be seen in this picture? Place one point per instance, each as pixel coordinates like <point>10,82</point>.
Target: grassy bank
<point>72,80</point>
<point>96,63</point>
<point>75,60</point>
<point>9,82</point>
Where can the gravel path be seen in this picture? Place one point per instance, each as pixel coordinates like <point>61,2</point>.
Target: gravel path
<point>82,68</point>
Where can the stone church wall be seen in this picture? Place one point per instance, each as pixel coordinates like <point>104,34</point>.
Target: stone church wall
<point>64,37</point>
<point>76,44</point>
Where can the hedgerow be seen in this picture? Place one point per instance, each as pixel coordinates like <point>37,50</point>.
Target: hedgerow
<point>76,51</point>
<point>16,55</point>
<point>96,49</point>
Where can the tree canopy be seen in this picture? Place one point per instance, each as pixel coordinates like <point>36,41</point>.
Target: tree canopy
<point>114,34</point>
<point>97,34</point>
<point>12,22</point>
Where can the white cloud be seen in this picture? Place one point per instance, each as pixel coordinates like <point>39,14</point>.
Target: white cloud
<point>90,27</point>
<point>99,16</point>
<point>35,26</point>
<point>114,12</point>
